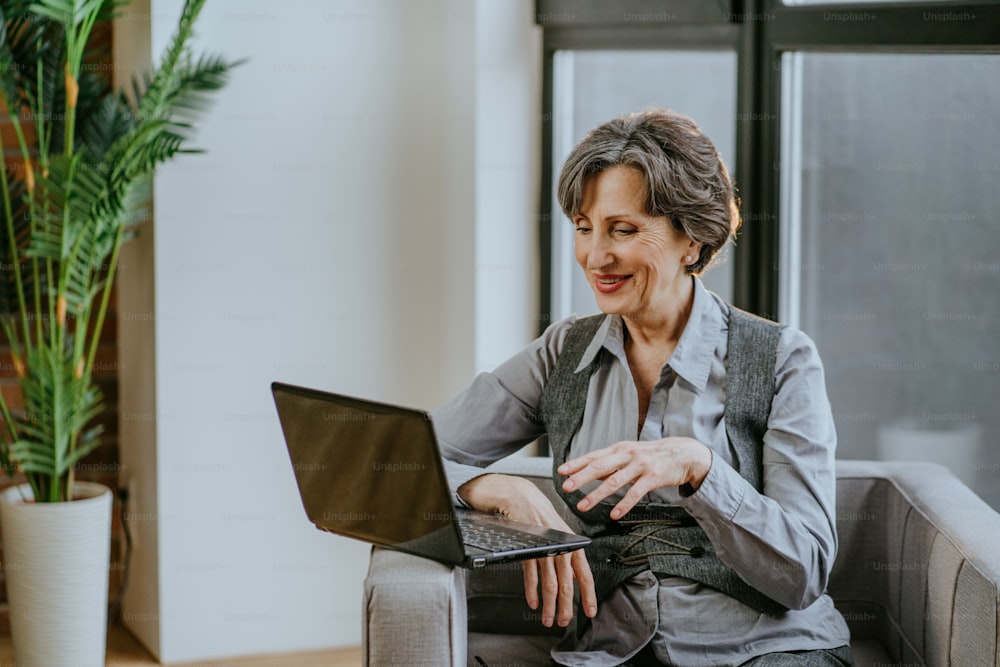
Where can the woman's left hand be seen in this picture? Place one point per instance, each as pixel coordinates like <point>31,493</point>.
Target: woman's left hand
<point>646,465</point>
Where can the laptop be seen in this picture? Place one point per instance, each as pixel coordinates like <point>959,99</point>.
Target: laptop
<point>373,472</point>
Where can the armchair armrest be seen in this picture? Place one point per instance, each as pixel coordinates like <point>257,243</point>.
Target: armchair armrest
<point>414,612</point>
<point>918,565</point>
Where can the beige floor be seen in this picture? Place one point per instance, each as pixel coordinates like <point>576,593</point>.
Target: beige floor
<point>125,651</point>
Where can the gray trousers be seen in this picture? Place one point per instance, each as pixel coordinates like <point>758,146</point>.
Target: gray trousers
<point>834,657</point>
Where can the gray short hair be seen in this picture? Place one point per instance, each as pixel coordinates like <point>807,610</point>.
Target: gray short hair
<point>686,180</point>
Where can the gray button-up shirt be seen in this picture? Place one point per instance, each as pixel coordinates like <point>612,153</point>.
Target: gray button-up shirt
<point>782,541</point>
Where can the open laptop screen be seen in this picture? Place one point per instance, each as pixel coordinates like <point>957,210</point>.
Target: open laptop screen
<point>367,470</point>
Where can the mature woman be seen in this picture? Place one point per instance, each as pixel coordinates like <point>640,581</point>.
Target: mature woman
<point>694,441</point>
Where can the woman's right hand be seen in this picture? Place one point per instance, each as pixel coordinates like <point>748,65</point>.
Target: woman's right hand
<point>518,499</point>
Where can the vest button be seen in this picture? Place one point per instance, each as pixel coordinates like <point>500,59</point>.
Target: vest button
<point>697,552</point>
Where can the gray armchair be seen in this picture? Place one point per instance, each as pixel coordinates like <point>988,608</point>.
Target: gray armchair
<point>917,579</point>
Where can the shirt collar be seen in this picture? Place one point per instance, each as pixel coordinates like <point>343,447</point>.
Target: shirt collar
<point>695,351</point>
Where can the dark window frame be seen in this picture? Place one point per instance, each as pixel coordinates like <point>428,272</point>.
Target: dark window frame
<point>760,31</point>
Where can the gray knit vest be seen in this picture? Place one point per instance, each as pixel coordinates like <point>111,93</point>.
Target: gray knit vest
<point>655,536</point>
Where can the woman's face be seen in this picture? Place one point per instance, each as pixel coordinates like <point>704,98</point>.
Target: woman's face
<point>634,262</point>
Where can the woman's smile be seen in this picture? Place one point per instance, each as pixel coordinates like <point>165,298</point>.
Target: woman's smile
<point>608,283</point>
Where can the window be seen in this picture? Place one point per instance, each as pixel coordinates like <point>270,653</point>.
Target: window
<point>888,252</point>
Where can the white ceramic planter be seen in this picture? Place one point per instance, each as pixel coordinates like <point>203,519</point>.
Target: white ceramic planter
<point>56,557</point>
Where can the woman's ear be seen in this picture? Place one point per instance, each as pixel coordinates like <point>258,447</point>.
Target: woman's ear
<point>692,253</point>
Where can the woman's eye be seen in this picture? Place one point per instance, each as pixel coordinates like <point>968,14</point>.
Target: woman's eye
<point>582,229</point>
<point>624,231</point>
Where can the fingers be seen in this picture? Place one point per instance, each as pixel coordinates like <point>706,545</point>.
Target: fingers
<point>564,603</point>
<point>549,585</point>
<point>639,488</point>
<point>555,577</point>
<point>585,580</point>
<point>577,464</point>
<point>645,466</point>
<point>530,570</point>
<point>593,465</point>
<point>601,467</point>
<point>612,483</point>
<point>629,473</point>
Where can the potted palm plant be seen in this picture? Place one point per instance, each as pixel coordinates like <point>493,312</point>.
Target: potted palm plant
<point>69,202</point>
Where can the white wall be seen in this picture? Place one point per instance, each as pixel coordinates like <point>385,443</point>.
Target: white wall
<point>508,121</point>
<point>329,237</point>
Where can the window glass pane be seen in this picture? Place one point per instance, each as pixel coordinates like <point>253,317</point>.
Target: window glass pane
<point>891,249</point>
<point>933,13</point>
<point>590,87</point>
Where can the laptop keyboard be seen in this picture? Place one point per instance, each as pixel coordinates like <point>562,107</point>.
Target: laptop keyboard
<point>498,538</point>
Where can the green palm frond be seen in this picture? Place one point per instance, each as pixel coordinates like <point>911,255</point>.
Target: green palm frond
<point>57,408</point>
<point>82,186</point>
<point>195,80</point>
<point>75,12</point>
<point>162,88</point>
<point>19,54</point>
<point>73,231</point>
<point>136,203</point>
<point>99,127</point>
<point>66,12</point>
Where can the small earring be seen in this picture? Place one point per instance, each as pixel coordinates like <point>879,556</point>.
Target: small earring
<point>687,258</point>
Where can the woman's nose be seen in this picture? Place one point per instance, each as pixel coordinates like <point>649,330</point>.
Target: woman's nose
<point>601,251</point>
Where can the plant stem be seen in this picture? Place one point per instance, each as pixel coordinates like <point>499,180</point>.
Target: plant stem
<point>105,299</point>
<point>43,144</point>
<point>75,44</point>
<point>55,360</point>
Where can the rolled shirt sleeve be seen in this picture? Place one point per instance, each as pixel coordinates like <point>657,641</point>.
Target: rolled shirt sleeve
<point>781,541</point>
<point>497,414</point>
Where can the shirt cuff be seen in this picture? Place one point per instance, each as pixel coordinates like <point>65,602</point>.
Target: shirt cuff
<point>459,500</point>
<point>720,494</point>
<point>458,474</point>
